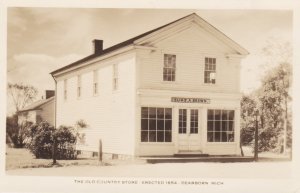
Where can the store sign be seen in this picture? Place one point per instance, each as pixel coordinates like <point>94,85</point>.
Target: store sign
<point>189,100</point>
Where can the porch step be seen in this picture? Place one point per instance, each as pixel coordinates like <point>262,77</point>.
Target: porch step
<point>190,155</point>
<point>155,160</point>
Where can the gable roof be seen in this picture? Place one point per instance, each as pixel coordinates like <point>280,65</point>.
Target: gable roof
<point>132,41</point>
<point>36,105</point>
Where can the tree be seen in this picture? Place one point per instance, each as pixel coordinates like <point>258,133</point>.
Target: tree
<point>21,95</point>
<point>271,100</point>
<point>248,107</point>
<point>274,97</point>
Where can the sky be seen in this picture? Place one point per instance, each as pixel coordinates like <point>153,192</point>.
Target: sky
<point>41,40</point>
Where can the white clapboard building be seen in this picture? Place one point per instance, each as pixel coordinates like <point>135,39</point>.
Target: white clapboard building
<point>174,89</point>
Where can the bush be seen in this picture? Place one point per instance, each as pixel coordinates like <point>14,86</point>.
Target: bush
<point>65,140</point>
<point>15,133</point>
<point>43,137</point>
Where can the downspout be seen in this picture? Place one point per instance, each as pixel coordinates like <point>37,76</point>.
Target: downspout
<point>55,100</point>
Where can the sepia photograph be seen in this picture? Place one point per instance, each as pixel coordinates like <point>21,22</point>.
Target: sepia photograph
<point>149,94</point>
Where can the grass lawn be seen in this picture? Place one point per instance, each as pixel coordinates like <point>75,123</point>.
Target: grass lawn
<point>22,158</point>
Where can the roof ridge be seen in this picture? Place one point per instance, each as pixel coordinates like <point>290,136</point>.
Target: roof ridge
<point>119,45</point>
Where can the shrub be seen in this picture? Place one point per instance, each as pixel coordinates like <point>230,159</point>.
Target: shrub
<point>65,138</point>
<point>43,137</point>
<point>16,133</point>
<point>41,142</point>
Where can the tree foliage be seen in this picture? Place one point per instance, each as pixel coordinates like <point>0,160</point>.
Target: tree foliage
<point>21,95</point>
<point>272,101</point>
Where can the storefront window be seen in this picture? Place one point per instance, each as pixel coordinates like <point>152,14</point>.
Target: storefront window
<point>156,124</point>
<point>220,125</point>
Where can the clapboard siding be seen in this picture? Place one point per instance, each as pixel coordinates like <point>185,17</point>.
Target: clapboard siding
<point>191,47</point>
<point>47,112</point>
<point>110,114</point>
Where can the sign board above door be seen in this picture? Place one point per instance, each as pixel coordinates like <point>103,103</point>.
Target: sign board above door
<point>189,100</point>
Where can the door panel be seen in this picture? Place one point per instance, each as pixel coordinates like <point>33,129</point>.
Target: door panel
<point>188,130</point>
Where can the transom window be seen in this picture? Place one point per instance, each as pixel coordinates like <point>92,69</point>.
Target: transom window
<point>210,70</point>
<point>169,67</point>
<point>156,124</point>
<point>220,125</point>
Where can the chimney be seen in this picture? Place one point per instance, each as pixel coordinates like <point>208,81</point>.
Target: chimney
<point>98,46</point>
<point>50,93</point>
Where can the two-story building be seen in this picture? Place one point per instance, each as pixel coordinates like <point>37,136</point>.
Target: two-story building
<point>174,89</point>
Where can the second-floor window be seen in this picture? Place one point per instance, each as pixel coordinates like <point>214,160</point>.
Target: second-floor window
<point>169,67</point>
<point>95,82</point>
<point>115,77</point>
<point>210,71</point>
<point>78,86</point>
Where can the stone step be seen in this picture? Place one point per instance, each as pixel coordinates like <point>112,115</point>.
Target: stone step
<point>156,160</point>
<point>190,155</point>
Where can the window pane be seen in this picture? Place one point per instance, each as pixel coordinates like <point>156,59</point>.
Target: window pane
<point>224,136</point>
<point>217,115</point>
<point>230,137</point>
<point>152,124</point>
<point>160,136</point>
<point>144,112</point>
<point>210,125</point>
<point>160,124</point>
<point>224,115</point>
<point>210,137</point>
<point>210,115</point>
<point>152,112</point>
<point>144,136</point>
<point>168,136</point>
<point>168,124</point>
<point>231,115</point>
<point>160,113</point>
<point>194,130</point>
<point>217,137</point>
<point>224,125</point>
<point>152,136</point>
<point>168,113</point>
<point>230,126</point>
<point>217,125</point>
<point>144,124</point>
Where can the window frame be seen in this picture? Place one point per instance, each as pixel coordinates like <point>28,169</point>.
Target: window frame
<point>220,121</point>
<point>213,70</point>
<point>156,130</point>
<point>167,68</point>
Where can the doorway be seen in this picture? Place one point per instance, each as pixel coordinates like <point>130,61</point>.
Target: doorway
<point>189,139</point>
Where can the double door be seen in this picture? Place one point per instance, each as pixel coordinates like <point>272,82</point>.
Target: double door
<point>189,139</point>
